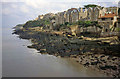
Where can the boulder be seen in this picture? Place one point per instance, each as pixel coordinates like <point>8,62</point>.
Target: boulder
<point>94,63</point>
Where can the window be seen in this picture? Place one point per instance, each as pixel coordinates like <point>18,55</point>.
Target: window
<point>111,18</point>
<point>106,30</point>
<point>103,19</point>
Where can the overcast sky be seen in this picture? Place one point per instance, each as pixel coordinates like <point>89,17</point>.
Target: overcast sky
<point>19,11</point>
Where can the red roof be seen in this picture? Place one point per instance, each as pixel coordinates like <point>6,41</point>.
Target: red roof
<point>72,9</point>
<point>108,15</point>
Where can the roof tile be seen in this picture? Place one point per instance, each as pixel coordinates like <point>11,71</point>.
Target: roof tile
<point>108,15</point>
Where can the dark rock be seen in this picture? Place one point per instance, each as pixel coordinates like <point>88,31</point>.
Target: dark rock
<point>94,63</point>
<point>102,67</point>
<point>108,67</point>
<point>30,46</point>
<point>114,59</point>
<point>86,64</point>
<point>102,60</point>
<point>102,56</point>
<point>73,56</point>
<point>114,67</point>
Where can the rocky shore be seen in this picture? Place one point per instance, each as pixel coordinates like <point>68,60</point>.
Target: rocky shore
<point>100,62</point>
<point>100,54</point>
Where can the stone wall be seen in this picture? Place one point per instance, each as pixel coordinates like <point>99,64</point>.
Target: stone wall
<point>105,34</point>
<point>74,14</point>
<point>48,16</point>
<point>71,15</point>
<point>83,15</point>
<point>93,13</point>
<point>111,9</point>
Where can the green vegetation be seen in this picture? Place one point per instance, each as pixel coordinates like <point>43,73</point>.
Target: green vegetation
<point>46,23</point>
<point>88,23</point>
<point>79,23</point>
<point>90,5</point>
<point>52,18</point>
<point>18,26</point>
<point>68,24</point>
<point>118,29</point>
<point>36,23</point>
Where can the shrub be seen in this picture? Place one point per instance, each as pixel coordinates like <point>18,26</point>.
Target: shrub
<point>118,29</point>
<point>36,23</point>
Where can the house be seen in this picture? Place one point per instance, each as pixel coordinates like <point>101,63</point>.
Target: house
<point>108,22</point>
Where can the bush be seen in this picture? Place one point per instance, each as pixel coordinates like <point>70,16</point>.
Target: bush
<point>66,23</point>
<point>90,5</point>
<point>118,29</point>
<point>36,23</point>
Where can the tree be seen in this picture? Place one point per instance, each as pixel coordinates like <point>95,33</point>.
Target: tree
<point>66,23</point>
<point>36,23</point>
<point>90,5</point>
<point>87,24</point>
<point>81,23</point>
<point>95,23</point>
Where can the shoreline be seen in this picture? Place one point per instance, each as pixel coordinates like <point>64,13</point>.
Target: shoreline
<point>76,48</point>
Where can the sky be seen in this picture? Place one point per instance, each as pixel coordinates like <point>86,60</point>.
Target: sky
<point>19,11</point>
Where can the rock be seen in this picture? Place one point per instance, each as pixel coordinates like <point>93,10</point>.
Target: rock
<point>59,56</point>
<point>102,67</point>
<point>114,67</point>
<point>102,60</point>
<point>94,63</point>
<point>83,62</point>
<point>69,36</point>
<point>30,46</point>
<point>73,56</point>
<point>77,61</point>
<point>114,59</point>
<point>102,56</point>
<point>70,46</point>
<point>108,67</point>
<point>86,64</point>
<point>105,57</point>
